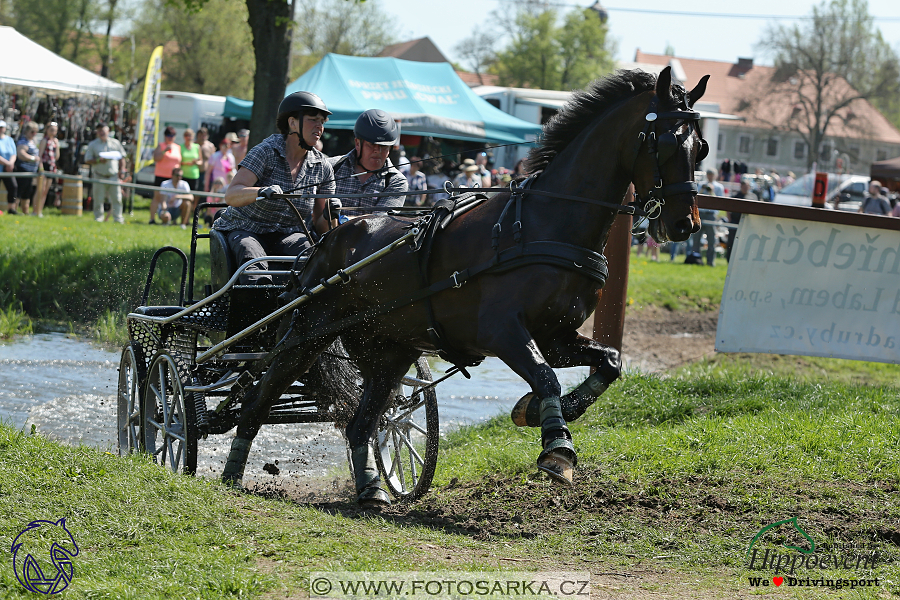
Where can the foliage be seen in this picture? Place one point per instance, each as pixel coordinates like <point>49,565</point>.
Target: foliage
<point>62,26</point>
<point>206,48</point>
<point>546,55</point>
<point>823,67</point>
<point>13,322</point>
<point>339,27</point>
<point>477,51</point>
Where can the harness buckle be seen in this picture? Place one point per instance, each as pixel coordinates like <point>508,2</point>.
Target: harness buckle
<point>456,283</point>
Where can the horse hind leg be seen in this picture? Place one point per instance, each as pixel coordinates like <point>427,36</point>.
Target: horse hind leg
<point>520,352</point>
<point>576,352</point>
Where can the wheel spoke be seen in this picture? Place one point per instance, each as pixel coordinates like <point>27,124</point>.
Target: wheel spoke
<point>417,427</point>
<point>412,450</point>
<point>408,411</point>
<point>398,461</point>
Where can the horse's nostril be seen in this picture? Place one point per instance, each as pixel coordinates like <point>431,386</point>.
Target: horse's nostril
<point>684,226</point>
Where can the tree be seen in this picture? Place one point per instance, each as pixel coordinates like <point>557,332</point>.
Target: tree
<point>210,50</point>
<point>823,68</point>
<point>339,27</point>
<point>545,54</point>
<point>477,51</point>
<point>62,26</point>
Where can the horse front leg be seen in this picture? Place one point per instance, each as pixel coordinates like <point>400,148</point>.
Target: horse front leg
<point>516,347</point>
<point>383,367</point>
<point>258,401</point>
<point>574,351</point>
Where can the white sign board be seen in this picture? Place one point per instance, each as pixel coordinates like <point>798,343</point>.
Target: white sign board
<point>813,289</point>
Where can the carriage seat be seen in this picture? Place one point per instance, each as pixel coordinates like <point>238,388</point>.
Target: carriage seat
<point>158,311</point>
<point>223,265</point>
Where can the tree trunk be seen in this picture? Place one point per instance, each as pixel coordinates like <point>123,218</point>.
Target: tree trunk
<point>271,23</point>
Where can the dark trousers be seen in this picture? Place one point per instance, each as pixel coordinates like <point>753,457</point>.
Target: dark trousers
<point>246,245</point>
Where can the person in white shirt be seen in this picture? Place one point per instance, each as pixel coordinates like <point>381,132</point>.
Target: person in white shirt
<point>174,203</point>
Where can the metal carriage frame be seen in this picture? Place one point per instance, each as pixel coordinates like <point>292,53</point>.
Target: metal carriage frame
<point>184,370</point>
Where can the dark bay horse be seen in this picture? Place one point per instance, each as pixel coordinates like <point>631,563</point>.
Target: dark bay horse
<point>626,127</point>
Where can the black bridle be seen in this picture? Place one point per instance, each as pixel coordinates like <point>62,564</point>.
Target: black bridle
<point>662,147</point>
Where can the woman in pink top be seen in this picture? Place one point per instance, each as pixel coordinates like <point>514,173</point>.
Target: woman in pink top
<point>167,156</point>
<point>222,163</point>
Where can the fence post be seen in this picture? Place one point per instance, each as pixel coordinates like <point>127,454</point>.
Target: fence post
<point>609,317</point>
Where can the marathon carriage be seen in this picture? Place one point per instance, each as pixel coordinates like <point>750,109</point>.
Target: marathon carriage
<point>182,373</point>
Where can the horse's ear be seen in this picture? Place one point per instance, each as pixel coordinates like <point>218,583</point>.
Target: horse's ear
<point>663,83</point>
<point>698,91</point>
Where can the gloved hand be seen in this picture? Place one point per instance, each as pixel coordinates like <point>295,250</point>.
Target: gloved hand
<point>334,205</point>
<point>268,191</point>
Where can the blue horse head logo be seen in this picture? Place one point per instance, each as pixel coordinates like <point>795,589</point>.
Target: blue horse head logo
<point>30,549</point>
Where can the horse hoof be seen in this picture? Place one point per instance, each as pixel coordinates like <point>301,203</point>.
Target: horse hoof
<point>527,411</point>
<point>559,467</point>
<point>373,497</point>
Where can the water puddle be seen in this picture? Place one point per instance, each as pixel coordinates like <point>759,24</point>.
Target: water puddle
<point>66,387</point>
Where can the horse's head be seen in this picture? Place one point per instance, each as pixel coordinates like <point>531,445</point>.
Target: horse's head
<point>670,146</point>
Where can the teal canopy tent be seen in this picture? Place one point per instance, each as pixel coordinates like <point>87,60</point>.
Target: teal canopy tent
<point>428,98</point>
<point>236,108</point>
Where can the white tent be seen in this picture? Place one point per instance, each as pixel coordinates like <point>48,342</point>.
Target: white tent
<point>40,68</point>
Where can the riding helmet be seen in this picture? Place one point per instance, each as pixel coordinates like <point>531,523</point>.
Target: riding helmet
<point>378,127</point>
<point>297,102</point>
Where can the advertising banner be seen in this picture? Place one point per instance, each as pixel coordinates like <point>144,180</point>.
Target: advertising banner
<point>812,289</point>
<point>148,125</point>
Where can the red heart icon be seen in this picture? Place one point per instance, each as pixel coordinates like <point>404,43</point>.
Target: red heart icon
<point>777,581</point>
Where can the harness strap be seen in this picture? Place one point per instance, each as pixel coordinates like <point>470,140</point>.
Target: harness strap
<point>574,258</point>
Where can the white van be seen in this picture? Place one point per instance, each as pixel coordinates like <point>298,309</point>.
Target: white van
<point>184,109</point>
<point>845,192</point>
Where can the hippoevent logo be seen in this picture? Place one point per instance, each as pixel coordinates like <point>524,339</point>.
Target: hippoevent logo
<point>791,566</point>
<point>31,549</point>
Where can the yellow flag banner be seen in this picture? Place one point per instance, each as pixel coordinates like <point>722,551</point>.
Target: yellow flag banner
<point>148,126</point>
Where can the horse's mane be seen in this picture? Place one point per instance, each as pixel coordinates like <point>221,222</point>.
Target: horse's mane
<point>585,105</point>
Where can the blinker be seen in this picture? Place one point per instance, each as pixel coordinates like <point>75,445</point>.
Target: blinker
<point>703,152</point>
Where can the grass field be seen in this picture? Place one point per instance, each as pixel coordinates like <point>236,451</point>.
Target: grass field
<point>73,270</point>
<point>676,477</point>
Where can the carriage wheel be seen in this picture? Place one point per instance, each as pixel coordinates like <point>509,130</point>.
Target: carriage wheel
<point>128,412</point>
<point>406,444</point>
<point>170,428</point>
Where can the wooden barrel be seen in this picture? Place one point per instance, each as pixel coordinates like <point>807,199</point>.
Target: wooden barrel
<point>71,198</point>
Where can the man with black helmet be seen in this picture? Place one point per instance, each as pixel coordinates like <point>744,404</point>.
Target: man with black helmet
<point>367,168</point>
<point>257,224</point>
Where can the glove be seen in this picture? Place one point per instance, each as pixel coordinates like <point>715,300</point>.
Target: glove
<point>268,191</point>
<point>334,205</point>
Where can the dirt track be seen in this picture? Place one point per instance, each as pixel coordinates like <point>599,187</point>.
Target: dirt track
<point>658,340</point>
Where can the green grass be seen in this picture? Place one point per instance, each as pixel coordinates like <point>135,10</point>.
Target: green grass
<point>674,285</point>
<point>13,322</point>
<point>676,476</point>
<point>72,269</point>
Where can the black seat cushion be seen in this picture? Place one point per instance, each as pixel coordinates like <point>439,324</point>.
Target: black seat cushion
<point>158,311</point>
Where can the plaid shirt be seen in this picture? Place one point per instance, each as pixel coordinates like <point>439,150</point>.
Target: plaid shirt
<point>345,183</point>
<point>267,161</point>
